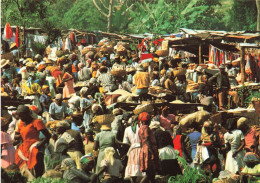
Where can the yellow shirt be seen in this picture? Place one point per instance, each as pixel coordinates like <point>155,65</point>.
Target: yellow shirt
<point>33,90</point>
<point>142,80</point>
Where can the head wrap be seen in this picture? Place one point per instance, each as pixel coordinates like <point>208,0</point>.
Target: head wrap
<point>41,67</point>
<point>44,87</point>
<point>58,96</point>
<point>23,109</point>
<point>68,163</point>
<point>34,109</point>
<point>251,158</point>
<point>144,116</point>
<point>241,121</point>
<point>63,124</point>
<point>85,159</point>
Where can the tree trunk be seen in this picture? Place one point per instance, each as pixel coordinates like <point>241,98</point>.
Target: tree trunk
<point>258,15</point>
<point>109,17</point>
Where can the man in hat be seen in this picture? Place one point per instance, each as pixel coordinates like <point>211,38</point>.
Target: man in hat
<point>142,81</point>
<point>222,85</point>
<point>8,70</point>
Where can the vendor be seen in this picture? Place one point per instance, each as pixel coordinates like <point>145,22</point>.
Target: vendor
<point>58,109</point>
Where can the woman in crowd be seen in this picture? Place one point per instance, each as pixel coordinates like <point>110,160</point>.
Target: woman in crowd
<point>58,109</point>
<point>131,137</point>
<point>235,142</point>
<point>149,157</point>
<point>29,155</point>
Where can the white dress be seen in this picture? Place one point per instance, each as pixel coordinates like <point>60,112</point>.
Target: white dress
<point>234,139</point>
<point>133,164</point>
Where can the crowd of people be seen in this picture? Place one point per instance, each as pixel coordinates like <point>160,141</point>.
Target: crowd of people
<point>60,134</point>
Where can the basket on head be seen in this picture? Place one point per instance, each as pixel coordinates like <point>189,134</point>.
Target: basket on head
<point>88,49</point>
<point>118,73</point>
<point>59,53</point>
<point>106,48</point>
<point>143,108</point>
<point>105,119</point>
<point>7,56</point>
<point>162,53</point>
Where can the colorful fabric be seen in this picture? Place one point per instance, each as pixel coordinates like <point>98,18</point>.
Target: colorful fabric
<point>27,151</point>
<point>149,157</point>
<point>144,116</point>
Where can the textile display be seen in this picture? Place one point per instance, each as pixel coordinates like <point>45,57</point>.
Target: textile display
<point>218,56</point>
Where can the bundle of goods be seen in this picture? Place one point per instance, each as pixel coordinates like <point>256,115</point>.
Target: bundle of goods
<point>121,50</point>
<point>192,66</point>
<point>118,71</point>
<point>158,90</point>
<point>59,53</point>
<point>236,63</point>
<point>143,108</point>
<point>107,48</point>
<point>105,119</point>
<point>198,117</point>
<point>7,56</point>
<point>103,41</point>
<point>130,69</point>
<point>124,44</point>
<point>88,49</point>
<point>162,53</point>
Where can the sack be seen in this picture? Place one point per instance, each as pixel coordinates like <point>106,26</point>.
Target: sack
<point>111,99</point>
<point>207,101</point>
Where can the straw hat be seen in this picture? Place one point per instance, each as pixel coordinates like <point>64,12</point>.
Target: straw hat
<point>241,121</point>
<point>12,45</point>
<point>4,62</point>
<point>105,127</point>
<point>30,64</point>
<point>48,61</point>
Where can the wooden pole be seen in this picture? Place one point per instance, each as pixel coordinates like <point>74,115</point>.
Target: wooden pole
<point>242,65</point>
<point>200,54</point>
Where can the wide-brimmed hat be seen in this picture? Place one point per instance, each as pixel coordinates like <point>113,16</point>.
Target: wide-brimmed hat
<point>63,124</point>
<point>105,127</point>
<point>12,45</point>
<point>199,69</point>
<point>30,64</point>
<point>21,59</point>
<point>48,61</point>
<point>242,121</point>
<point>222,66</point>
<point>4,62</point>
<point>38,56</point>
<point>228,62</point>
<point>58,96</point>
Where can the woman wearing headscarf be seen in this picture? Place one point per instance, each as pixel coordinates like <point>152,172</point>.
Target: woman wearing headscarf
<point>235,142</point>
<point>7,148</point>
<point>111,167</point>
<point>251,172</point>
<point>149,157</point>
<point>131,137</point>
<point>69,142</point>
<point>30,155</point>
<point>51,82</point>
<point>34,90</point>
<point>68,81</point>
<point>71,172</point>
<point>58,109</point>
<point>84,72</point>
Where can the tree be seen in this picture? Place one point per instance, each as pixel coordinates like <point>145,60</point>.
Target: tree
<point>258,15</point>
<point>110,9</point>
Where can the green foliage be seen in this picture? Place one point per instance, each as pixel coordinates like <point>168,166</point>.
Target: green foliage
<point>154,16</point>
<point>242,16</point>
<point>190,175</point>
<point>49,180</point>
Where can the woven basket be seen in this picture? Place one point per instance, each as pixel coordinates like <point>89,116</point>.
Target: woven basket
<point>88,49</point>
<point>118,73</point>
<point>7,56</point>
<point>107,49</point>
<point>145,108</point>
<point>124,44</point>
<point>105,119</point>
<point>204,66</point>
<point>162,53</point>
<point>145,65</point>
<point>236,63</point>
<point>59,53</point>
